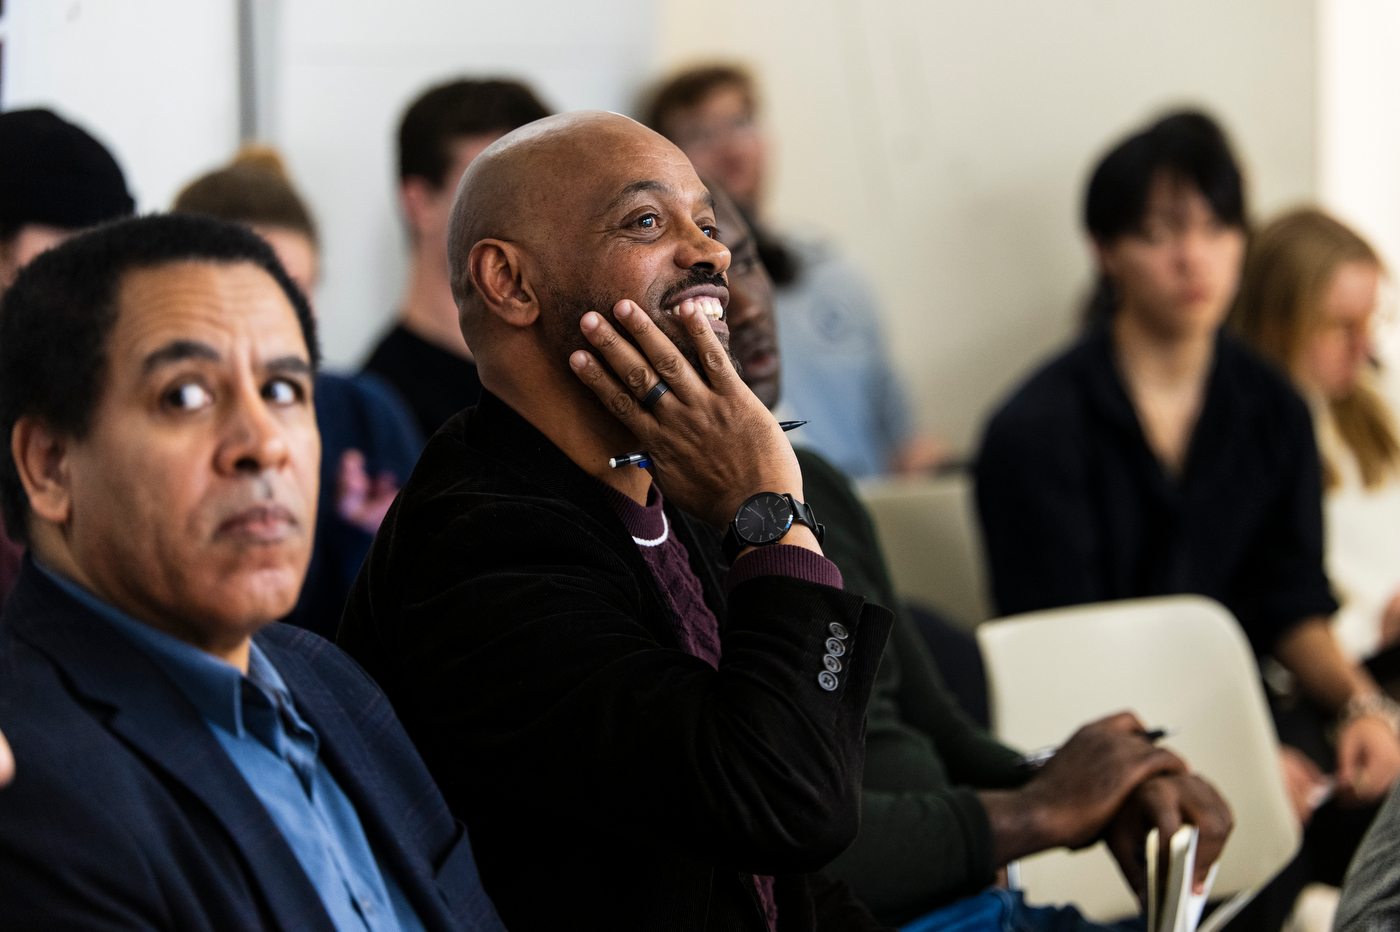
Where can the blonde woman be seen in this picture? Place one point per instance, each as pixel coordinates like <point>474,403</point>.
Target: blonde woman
<point>1307,300</point>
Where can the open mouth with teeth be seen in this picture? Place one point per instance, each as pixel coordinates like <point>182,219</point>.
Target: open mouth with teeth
<point>710,307</point>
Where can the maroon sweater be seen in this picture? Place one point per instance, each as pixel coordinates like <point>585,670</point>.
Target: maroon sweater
<point>698,630</point>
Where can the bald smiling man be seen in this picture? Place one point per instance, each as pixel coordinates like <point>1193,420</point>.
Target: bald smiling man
<point>644,726</point>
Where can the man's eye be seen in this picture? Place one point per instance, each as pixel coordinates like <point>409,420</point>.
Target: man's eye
<point>282,392</point>
<point>189,397</point>
<point>711,232</point>
<point>647,222</point>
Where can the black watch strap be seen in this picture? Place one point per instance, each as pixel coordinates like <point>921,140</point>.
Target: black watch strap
<point>802,513</point>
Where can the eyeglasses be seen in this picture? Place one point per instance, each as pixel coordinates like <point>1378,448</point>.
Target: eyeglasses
<point>707,136</point>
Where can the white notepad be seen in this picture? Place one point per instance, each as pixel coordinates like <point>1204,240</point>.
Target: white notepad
<point>1173,907</point>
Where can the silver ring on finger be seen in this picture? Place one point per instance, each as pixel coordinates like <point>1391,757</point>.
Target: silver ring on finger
<point>653,396</point>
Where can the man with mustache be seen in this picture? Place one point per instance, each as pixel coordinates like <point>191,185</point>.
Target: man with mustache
<point>185,764</point>
<point>943,804</point>
<point>644,727</point>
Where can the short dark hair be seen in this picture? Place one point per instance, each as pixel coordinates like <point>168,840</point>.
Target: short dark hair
<point>691,86</point>
<point>1186,145</point>
<point>58,315</point>
<point>254,188</point>
<point>467,107</point>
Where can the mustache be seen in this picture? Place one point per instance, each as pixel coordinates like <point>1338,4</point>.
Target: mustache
<point>692,278</point>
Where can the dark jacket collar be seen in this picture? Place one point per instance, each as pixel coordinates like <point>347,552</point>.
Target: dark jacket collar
<point>151,715</point>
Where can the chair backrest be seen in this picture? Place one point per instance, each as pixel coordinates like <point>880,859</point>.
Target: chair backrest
<point>1180,662</point>
<point>929,532</point>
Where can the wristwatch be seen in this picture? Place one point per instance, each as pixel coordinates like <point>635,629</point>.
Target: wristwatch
<point>766,518</point>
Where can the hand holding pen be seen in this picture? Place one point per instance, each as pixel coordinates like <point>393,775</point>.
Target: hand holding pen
<point>642,459</point>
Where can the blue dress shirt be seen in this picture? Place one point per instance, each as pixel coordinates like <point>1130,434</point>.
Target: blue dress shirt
<point>254,719</point>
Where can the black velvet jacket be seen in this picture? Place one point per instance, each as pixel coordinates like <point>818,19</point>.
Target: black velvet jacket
<point>609,779</point>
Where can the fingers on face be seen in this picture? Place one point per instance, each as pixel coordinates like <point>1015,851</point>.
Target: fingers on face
<point>612,393</point>
<point>658,359</point>
<point>696,320</point>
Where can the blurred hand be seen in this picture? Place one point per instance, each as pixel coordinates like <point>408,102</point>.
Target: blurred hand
<point>359,500</point>
<point>7,762</point>
<point>1166,803</point>
<point>920,455</point>
<point>1070,801</point>
<point>1390,622</point>
<point>1368,759</point>
<point>1303,780</point>
<point>1088,779</point>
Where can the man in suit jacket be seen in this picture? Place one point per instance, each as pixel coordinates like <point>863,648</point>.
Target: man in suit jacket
<point>183,763</point>
<point>624,716</point>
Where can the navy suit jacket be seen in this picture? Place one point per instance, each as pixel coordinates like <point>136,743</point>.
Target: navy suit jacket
<point>126,813</point>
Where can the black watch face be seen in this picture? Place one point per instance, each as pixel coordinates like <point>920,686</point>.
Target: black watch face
<point>763,518</point>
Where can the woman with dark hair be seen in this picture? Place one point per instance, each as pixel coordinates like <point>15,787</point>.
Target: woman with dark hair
<point>369,440</point>
<point>1160,455</point>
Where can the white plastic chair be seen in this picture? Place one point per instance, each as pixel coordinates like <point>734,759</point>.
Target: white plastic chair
<point>932,542</point>
<point>1180,662</point>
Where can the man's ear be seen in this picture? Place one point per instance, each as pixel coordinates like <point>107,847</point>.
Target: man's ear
<point>1104,258</point>
<point>497,272</point>
<point>41,456</point>
<point>415,196</point>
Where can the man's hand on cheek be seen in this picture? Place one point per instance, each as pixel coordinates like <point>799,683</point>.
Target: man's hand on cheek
<point>712,442</point>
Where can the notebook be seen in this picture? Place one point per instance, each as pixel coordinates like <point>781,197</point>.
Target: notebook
<point>1172,907</point>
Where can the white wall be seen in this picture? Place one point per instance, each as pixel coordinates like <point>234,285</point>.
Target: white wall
<point>1359,116</point>
<point>945,145</point>
<point>157,82</point>
<point>154,80</point>
<point>1359,135</point>
<point>348,70</point>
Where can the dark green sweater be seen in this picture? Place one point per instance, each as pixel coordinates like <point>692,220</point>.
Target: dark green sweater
<point>924,838</point>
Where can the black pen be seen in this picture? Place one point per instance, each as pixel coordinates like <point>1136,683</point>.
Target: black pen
<point>642,459</point>
<point>1038,758</point>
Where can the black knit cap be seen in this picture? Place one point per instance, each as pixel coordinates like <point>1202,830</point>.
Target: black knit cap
<point>55,174</point>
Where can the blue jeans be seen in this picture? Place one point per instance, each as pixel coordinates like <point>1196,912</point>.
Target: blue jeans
<point>998,910</point>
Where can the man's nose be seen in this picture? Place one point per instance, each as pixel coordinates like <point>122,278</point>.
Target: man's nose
<point>700,251</point>
<point>253,439</point>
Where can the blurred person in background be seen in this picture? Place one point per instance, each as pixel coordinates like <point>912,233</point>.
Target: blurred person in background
<point>424,356</point>
<point>839,376</point>
<point>944,805</point>
<point>55,180</point>
<point>369,438</point>
<point>1308,301</point>
<point>1161,455</point>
